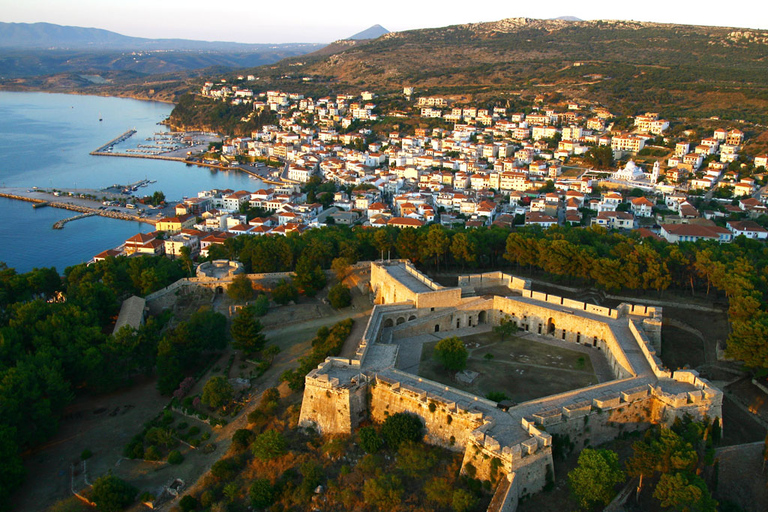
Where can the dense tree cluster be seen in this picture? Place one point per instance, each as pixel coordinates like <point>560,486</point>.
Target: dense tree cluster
<point>53,342</point>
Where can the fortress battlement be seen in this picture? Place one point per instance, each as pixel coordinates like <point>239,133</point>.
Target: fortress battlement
<point>511,445</point>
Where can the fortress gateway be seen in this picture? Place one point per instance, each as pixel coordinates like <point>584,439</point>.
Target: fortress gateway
<point>510,447</point>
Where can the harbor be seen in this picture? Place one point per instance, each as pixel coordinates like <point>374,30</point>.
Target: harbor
<point>183,147</point>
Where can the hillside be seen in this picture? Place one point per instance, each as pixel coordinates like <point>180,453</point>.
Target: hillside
<point>629,66</point>
<point>36,49</point>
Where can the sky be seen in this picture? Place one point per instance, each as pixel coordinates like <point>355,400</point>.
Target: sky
<point>305,21</point>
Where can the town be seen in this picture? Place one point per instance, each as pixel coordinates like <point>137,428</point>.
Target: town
<point>568,164</point>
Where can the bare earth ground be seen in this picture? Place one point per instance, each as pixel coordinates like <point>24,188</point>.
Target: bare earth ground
<point>517,362</point>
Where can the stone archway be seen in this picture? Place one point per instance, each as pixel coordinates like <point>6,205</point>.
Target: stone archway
<point>481,318</point>
<point>412,317</point>
<point>219,290</point>
<point>388,323</point>
<point>437,327</point>
<point>550,326</point>
<point>401,320</point>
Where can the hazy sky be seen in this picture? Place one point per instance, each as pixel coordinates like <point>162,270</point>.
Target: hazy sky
<point>258,21</point>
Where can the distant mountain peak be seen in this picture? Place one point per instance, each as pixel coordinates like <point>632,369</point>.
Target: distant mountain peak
<point>373,32</point>
<point>567,18</point>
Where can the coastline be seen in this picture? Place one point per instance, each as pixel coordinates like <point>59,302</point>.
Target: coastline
<point>127,95</point>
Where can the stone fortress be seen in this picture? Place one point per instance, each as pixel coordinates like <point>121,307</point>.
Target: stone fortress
<point>511,447</point>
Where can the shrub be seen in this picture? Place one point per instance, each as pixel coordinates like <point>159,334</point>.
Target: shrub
<point>401,427</point>
<point>242,438</point>
<point>217,392</point>
<point>134,449</point>
<point>261,493</point>
<point>188,503</point>
<point>111,494</point>
<point>268,445</point>
<point>462,500</point>
<point>270,395</point>
<point>497,396</point>
<point>261,305</point>
<point>369,440</point>
<point>224,469</point>
<point>152,453</point>
<point>451,353</point>
<point>339,296</point>
<point>383,492</point>
<point>175,457</point>
<point>86,454</point>
<point>285,292</point>
<point>241,288</point>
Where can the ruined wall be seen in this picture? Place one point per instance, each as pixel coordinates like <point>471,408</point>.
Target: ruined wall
<point>446,423</point>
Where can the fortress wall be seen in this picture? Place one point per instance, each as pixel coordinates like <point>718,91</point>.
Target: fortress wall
<point>448,425</point>
<point>425,325</point>
<point>573,304</point>
<point>494,279</point>
<point>649,351</point>
<point>565,326</point>
<point>598,426</point>
<point>446,297</point>
<point>418,275</point>
<point>330,407</point>
<point>529,461</point>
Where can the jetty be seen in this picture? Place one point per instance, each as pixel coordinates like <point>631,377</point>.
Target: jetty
<point>82,209</point>
<point>59,224</point>
<point>108,146</point>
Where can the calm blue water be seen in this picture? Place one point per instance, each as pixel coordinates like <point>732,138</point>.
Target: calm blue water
<point>45,140</point>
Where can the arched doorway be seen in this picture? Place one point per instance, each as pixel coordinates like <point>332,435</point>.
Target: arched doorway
<point>550,327</point>
<point>437,327</point>
<point>481,317</point>
<point>219,290</point>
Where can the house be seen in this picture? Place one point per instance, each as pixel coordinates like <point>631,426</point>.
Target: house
<point>174,244</point>
<point>136,242</point>
<point>748,228</point>
<point>538,219</point>
<point>173,225</point>
<point>109,253</point>
<point>405,222</point>
<point>641,206</point>
<point>614,220</point>
<point>674,233</point>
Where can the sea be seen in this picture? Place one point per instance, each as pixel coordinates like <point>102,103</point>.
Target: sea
<point>45,141</point>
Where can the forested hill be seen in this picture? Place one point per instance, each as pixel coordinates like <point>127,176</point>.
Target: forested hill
<point>629,66</point>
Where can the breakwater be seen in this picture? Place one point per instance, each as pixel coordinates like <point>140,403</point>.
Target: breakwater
<point>81,209</point>
<point>59,224</point>
<point>125,136</point>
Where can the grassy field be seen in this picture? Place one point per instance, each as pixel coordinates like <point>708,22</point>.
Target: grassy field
<point>520,368</point>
